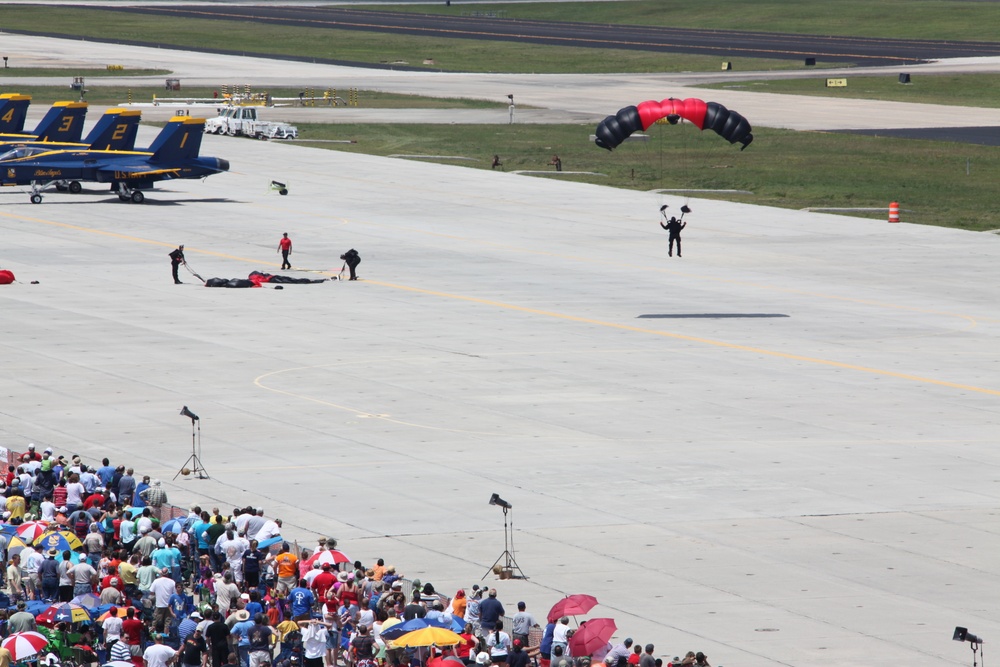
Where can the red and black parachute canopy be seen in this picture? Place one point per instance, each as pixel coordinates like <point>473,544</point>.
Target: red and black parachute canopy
<point>730,125</point>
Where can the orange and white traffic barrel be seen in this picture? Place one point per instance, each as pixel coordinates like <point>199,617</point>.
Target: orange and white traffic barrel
<point>894,212</point>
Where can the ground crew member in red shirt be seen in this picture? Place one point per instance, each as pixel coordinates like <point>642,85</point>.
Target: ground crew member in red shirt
<point>285,248</point>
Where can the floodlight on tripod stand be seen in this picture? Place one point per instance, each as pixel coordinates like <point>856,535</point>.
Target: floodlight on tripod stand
<point>506,571</point>
<point>193,463</point>
<point>976,643</point>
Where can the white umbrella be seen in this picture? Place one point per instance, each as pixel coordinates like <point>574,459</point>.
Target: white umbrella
<point>24,644</point>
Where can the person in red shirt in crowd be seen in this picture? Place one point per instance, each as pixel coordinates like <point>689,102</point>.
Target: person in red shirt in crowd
<point>323,581</point>
<point>113,577</point>
<point>59,493</point>
<point>636,654</point>
<point>469,643</point>
<point>96,499</point>
<point>132,628</point>
<point>31,454</point>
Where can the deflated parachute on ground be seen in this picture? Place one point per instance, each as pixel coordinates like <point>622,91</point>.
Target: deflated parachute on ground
<point>730,125</point>
<point>258,278</point>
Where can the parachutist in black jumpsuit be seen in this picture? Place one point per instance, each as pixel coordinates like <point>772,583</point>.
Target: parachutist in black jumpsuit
<point>352,258</point>
<point>176,259</point>
<point>674,227</point>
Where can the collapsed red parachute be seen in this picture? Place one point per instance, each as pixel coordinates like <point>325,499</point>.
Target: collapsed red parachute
<point>6,277</point>
<point>730,125</point>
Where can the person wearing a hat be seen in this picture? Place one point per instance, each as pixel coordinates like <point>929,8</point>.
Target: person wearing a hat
<point>22,620</point>
<point>154,495</point>
<point>48,576</point>
<point>490,611</point>
<point>518,656</point>
<point>618,651</point>
<point>241,632</point>
<point>522,623</point>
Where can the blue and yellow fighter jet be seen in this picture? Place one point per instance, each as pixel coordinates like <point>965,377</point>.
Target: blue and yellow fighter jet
<point>174,154</point>
<point>62,122</point>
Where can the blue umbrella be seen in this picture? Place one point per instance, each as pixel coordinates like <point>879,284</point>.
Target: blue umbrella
<point>175,526</point>
<point>135,511</point>
<point>400,629</point>
<point>269,542</point>
<point>8,529</point>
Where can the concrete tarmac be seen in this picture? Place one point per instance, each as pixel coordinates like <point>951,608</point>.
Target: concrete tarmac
<point>778,449</point>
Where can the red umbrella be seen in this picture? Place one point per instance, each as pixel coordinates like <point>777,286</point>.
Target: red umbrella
<point>23,645</point>
<point>572,605</point>
<point>591,636</point>
<point>331,556</point>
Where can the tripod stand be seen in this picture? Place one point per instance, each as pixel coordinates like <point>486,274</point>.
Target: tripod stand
<point>507,569</point>
<point>193,462</point>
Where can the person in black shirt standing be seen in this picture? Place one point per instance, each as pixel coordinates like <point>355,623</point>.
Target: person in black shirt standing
<point>176,259</point>
<point>674,227</point>
<point>218,637</point>
<point>192,650</point>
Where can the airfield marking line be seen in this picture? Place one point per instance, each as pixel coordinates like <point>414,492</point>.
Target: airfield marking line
<point>971,321</point>
<point>691,339</point>
<point>555,315</point>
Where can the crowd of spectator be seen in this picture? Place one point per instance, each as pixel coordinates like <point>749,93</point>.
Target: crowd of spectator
<point>215,589</point>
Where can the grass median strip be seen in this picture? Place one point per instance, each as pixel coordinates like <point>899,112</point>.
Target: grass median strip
<point>972,90</point>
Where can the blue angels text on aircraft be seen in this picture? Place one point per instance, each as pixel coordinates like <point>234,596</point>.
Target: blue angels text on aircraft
<point>174,154</point>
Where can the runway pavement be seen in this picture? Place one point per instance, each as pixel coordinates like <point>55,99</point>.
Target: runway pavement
<point>778,449</point>
<point>573,96</point>
<point>504,25</point>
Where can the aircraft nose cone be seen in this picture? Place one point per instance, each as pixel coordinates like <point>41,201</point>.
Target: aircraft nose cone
<point>223,164</point>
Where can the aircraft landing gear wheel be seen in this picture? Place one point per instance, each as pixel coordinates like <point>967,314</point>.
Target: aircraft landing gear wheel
<point>75,187</point>
<point>138,197</point>
<point>36,199</point>
<point>283,191</point>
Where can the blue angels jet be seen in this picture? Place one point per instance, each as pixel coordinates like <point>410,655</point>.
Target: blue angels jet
<point>174,154</point>
<point>62,122</point>
<point>13,112</point>
<point>115,131</point>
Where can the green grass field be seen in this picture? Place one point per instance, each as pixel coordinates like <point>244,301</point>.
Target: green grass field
<point>363,47</point>
<point>781,168</point>
<point>973,90</point>
<point>902,19</point>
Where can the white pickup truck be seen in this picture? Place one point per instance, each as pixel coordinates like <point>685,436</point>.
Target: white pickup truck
<point>236,121</point>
